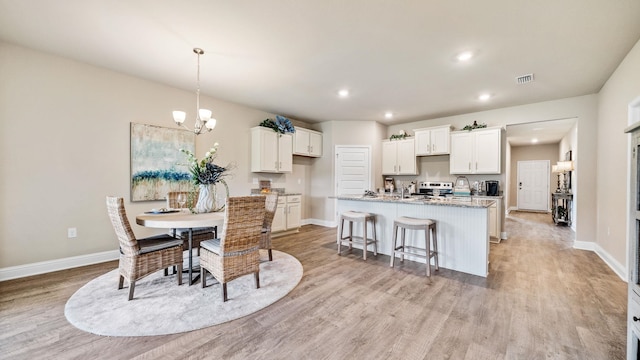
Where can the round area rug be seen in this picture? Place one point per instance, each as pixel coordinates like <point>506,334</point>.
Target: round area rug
<point>161,307</point>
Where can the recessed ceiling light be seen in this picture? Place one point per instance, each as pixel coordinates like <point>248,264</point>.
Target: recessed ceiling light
<point>464,56</point>
<point>533,141</point>
<point>388,115</point>
<point>484,97</point>
<point>343,93</point>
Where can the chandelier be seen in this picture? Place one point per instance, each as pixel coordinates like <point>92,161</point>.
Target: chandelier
<point>203,116</point>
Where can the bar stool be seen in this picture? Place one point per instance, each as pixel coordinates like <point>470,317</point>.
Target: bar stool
<point>362,218</point>
<point>429,227</point>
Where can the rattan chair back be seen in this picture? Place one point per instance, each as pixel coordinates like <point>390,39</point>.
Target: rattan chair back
<point>128,243</point>
<point>242,224</point>
<point>271,204</point>
<point>172,199</point>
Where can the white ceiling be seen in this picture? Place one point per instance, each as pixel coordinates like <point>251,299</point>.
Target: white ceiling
<point>291,57</point>
<point>545,132</point>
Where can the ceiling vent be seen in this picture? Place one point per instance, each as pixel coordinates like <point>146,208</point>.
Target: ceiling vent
<point>523,79</point>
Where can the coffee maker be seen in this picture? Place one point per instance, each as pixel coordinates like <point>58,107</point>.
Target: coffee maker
<point>492,187</point>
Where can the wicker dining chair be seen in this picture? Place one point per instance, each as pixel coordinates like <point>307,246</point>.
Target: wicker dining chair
<point>141,257</point>
<point>236,252</point>
<point>271,204</point>
<point>199,234</point>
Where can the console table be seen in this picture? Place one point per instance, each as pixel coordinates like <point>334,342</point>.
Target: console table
<point>561,207</point>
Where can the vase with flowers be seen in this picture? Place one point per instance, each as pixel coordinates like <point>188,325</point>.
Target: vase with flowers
<point>206,175</point>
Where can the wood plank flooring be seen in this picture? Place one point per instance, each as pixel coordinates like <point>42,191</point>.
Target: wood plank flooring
<point>542,300</point>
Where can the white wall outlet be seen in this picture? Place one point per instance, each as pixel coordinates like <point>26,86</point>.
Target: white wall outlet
<point>255,181</point>
<point>72,232</point>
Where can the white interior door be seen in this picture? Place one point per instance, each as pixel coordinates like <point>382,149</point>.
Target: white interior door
<point>533,185</point>
<point>353,170</point>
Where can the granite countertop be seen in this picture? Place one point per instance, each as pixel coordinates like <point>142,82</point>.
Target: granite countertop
<point>420,200</point>
<point>280,192</point>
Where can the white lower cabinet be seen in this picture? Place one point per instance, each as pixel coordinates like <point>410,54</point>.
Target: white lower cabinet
<point>495,218</point>
<point>288,213</point>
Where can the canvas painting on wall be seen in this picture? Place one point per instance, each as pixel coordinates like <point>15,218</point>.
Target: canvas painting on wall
<point>157,165</point>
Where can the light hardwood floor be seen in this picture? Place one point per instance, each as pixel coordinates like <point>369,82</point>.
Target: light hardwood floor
<point>542,300</point>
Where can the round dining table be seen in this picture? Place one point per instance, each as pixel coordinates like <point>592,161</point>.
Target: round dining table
<point>182,219</point>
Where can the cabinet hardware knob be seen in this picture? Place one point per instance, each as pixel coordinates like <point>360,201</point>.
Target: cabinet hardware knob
<point>636,318</point>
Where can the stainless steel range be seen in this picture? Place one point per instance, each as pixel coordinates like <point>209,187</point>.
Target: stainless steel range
<point>435,188</point>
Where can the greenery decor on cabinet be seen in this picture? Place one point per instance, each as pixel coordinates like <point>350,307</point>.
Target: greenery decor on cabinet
<point>401,135</point>
<point>281,125</point>
<point>475,125</point>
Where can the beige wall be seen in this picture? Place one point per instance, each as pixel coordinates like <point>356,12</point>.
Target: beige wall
<point>64,130</point>
<point>613,154</point>
<point>531,152</point>
<point>366,133</point>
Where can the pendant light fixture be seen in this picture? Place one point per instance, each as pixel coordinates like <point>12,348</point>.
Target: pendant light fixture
<point>203,116</point>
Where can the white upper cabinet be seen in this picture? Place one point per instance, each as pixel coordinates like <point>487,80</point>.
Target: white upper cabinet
<point>399,157</point>
<point>307,142</point>
<point>432,140</point>
<point>270,151</point>
<point>476,152</point>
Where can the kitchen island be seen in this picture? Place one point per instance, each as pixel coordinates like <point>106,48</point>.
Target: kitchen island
<point>463,227</point>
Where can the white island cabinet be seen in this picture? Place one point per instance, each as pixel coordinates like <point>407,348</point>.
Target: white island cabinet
<point>462,228</point>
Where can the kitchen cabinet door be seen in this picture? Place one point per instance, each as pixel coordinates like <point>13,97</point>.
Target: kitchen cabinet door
<point>423,142</point>
<point>440,140</point>
<point>264,150</point>
<point>406,157</point>
<point>270,151</point>
<point>280,217</point>
<point>293,215</point>
<point>389,157</point>
<point>487,152</point>
<point>461,153</point>
<point>493,222</point>
<point>307,143</point>
<point>432,141</point>
<point>399,157</point>
<point>476,152</point>
<point>285,156</point>
<point>315,143</point>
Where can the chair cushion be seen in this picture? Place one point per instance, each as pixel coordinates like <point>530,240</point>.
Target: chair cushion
<point>158,242</point>
<point>212,245</point>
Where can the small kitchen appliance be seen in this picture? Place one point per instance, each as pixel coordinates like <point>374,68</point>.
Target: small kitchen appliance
<point>435,188</point>
<point>389,185</point>
<point>492,187</point>
<point>462,187</point>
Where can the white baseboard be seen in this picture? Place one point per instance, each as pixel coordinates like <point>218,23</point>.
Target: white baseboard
<point>325,223</point>
<point>613,264</point>
<point>584,245</point>
<point>14,272</point>
<point>617,268</point>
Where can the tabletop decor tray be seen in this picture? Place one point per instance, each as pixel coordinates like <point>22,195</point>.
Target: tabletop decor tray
<point>161,211</point>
